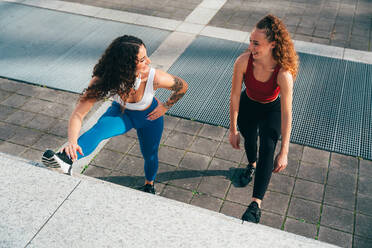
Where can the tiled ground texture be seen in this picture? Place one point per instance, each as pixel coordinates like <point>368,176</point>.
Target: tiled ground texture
<point>342,23</point>
<point>320,195</point>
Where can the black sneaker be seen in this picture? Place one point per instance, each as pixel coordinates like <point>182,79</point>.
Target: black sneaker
<point>246,177</point>
<point>253,213</point>
<point>148,188</point>
<point>55,160</point>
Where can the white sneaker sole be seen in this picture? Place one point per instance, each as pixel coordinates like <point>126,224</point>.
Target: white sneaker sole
<point>56,162</point>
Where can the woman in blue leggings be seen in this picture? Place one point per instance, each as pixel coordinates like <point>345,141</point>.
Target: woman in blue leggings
<point>123,73</point>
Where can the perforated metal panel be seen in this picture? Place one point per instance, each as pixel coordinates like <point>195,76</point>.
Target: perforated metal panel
<point>58,49</point>
<point>331,105</point>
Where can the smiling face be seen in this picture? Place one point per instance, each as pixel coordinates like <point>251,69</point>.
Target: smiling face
<point>259,45</point>
<point>143,60</point>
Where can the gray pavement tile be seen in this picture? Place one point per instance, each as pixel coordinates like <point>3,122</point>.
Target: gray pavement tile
<point>225,151</point>
<point>20,117</point>
<point>292,167</point>
<point>164,136</point>
<point>343,163</point>
<point>195,161</point>
<point>312,172</point>
<point>342,180</point>
<point>300,227</point>
<point>48,141</point>
<point>48,94</point>
<point>206,201</point>
<point>179,140</point>
<point>41,122</point>
<point>15,101</point>
<point>337,218</point>
<point>204,146</point>
<point>170,155</point>
<point>335,237</point>
<point>8,85</point>
<point>324,41</point>
<point>4,95</point>
<point>35,105</point>
<point>233,209</point>
<point>165,173</point>
<point>364,203</point>
<point>304,210</point>
<point>32,154</point>
<point>338,197</point>
<point>363,225</point>
<point>29,90</point>
<point>308,190</point>
<point>304,30</point>
<point>220,167</point>
<point>275,202</point>
<point>25,136</point>
<point>120,178</point>
<point>67,98</point>
<point>131,165</point>
<point>295,151</point>
<point>58,110</point>
<point>281,183</point>
<point>132,133</point>
<point>108,159</point>
<point>135,150</point>
<point>216,186</point>
<point>170,122</point>
<point>302,37</point>
<point>97,172</point>
<point>315,156</point>
<point>240,195</point>
<point>188,126</point>
<point>271,219</point>
<point>120,143</point>
<point>365,185</point>
<point>212,132</point>
<point>177,194</point>
<point>185,178</point>
<point>10,148</point>
<point>60,128</point>
<point>7,130</point>
<point>360,242</point>
<point>365,167</point>
<point>321,33</point>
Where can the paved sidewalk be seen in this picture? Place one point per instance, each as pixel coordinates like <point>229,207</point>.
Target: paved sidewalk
<point>321,195</point>
<point>341,23</point>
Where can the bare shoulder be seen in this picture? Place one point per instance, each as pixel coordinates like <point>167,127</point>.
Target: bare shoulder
<point>285,78</point>
<point>94,80</point>
<point>242,61</point>
<point>165,80</point>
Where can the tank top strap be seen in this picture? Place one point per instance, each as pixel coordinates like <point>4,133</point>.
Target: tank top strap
<point>150,81</point>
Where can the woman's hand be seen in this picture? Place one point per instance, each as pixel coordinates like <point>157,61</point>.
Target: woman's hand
<point>280,162</point>
<point>159,111</point>
<point>234,138</point>
<point>70,150</point>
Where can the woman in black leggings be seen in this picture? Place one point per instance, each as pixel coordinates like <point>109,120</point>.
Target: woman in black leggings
<point>268,69</point>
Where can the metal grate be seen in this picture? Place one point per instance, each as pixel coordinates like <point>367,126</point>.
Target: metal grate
<point>331,105</point>
<point>58,49</point>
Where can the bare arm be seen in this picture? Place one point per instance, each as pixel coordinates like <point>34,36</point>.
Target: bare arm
<point>285,81</point>
<point>237,79</point>
<point>76,119</point>
<point>177,85</point>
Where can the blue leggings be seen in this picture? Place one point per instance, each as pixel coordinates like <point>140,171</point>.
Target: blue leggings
<point>113,122</point>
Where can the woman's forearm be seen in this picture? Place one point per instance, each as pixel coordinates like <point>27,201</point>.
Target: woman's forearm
<point>286,127</point>
<point>179,90</point>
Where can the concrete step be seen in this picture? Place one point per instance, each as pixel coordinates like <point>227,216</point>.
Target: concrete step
<point>42,208</point>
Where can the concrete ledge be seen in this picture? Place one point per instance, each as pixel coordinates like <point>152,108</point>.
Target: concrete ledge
<point>42,208</point>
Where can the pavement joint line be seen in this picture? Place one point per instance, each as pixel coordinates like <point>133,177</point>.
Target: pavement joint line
<point>51,216</point>
<point>202,29</point>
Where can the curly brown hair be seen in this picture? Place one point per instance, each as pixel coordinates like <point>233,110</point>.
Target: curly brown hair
<point>283,52</point>
<point>115,69</point>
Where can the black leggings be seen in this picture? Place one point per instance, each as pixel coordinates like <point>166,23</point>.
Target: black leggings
<point>267,119</point>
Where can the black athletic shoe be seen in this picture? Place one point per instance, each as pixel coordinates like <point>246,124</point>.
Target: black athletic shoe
<point>55,160</point>
<point>253,213</point>
<point>246,177</point>
<point>148,188</point>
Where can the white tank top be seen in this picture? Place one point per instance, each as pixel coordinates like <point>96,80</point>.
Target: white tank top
<point>148,95</point>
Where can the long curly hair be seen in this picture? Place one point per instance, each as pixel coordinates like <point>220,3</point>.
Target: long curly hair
<point>115,69</point>
<point>284,53</point>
